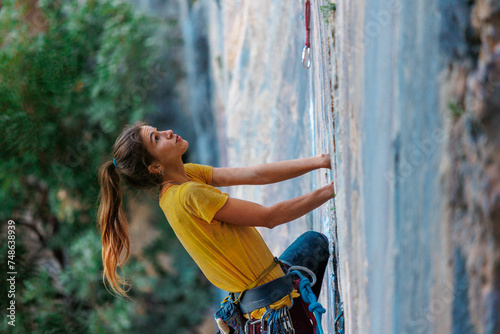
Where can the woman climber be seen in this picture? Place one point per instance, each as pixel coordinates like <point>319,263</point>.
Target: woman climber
<point>218,231</point>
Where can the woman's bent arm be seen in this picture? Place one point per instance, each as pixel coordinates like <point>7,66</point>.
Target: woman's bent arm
<point>268,173</point>
<point>240,212</point>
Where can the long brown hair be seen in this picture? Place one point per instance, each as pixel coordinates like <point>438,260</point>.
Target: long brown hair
<point>132,161</point>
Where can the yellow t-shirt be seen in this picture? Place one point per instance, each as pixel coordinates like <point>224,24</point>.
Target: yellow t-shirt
<point>230,256</point>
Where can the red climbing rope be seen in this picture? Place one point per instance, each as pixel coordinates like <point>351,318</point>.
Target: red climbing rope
<point>306,52</point>
<point>308,20</point>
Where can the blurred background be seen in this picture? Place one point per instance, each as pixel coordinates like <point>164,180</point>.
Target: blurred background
<point>72,75</point>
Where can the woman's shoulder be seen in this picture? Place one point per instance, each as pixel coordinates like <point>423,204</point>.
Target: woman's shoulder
<point>193,191</point>
<point>194,186</point>
<point>199,173</point>
<point>178,193</point>
<point>187,189</point>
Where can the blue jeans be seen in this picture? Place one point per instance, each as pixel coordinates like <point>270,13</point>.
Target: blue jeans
<point>310,250</point>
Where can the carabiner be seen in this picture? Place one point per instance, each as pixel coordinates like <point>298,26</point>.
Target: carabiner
<point>306,57</point>
<point>263,321</point>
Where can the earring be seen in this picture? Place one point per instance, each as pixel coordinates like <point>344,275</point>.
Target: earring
<point>162,172</point>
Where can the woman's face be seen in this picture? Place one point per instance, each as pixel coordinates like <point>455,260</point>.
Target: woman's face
<point>164,146</point>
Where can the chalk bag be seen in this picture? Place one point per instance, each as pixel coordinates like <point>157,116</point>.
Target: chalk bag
<point>229,318</point>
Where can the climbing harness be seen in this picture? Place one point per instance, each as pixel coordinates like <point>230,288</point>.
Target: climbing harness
<point>266,271</point>
<point>306,51</point>
<point>230,317</point>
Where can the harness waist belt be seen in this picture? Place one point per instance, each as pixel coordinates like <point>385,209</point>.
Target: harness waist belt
<point>265,294</point>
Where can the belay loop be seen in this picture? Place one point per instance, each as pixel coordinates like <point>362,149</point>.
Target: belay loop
<point>306,51</point>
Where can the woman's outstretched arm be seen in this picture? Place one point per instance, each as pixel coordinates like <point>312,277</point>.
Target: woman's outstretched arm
<point>268,173</point>
<point>240,212</point>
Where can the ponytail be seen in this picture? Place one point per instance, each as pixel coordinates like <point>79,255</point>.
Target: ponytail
<point>113,226</point>
<point>131,159</point>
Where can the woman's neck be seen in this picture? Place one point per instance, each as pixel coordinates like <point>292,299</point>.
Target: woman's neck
<point>175,175</point>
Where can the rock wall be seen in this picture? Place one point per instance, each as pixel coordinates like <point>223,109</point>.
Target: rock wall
<point>404,97</point>
<point>391,140</point>
<point>418,142</point>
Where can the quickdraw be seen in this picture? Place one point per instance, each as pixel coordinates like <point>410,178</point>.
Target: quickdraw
<point>276,321</point>
<point>306,51</point>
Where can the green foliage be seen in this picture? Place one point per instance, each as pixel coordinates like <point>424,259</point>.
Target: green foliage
<point>66,92</point>
<point>456,110</point>
<point>327,10</point>
<point>182,294</point>
<point>72,74</point>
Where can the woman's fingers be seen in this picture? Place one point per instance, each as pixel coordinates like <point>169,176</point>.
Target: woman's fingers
<point>331,189</point>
